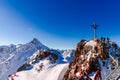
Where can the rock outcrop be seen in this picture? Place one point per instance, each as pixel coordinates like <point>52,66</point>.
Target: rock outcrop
<point>88,57</point>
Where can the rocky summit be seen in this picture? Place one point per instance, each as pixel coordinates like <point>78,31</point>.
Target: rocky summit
<point>96,59</point>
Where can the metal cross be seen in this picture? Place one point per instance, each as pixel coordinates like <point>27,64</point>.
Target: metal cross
<point>95,27</point>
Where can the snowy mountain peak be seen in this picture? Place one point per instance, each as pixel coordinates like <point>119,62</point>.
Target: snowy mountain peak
<point>17,55</point>
<point>93,59</point>
<point>35,41</point>
<point>37,44</point>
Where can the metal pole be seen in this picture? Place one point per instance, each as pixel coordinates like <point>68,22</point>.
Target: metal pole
<point>94,27</point>
<point>94,33</point>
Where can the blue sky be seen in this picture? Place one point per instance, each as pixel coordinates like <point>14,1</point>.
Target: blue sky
<point>58,23</point>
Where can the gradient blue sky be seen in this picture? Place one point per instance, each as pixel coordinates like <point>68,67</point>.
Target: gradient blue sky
<point>58,23</point>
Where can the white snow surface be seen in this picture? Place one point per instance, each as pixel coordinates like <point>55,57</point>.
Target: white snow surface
<point>67,55</point>
<point>91,43</point>
<point>49,72</point>
<point>17,56</point>
<point>14,56</point>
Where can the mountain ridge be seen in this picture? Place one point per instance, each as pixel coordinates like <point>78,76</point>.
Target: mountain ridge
<point>19,55</point>
<point>26,59</point>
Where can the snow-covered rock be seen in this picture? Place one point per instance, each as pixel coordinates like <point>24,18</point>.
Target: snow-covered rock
<point>12,57</point>
<point>35,61</point>
<point>94,60</point>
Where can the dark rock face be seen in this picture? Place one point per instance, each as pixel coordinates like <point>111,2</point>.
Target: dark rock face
<point>86,61</point>
<point>23,67</point>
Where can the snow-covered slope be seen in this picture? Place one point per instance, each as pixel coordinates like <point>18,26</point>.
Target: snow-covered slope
<point>52,70</point>
<point>34,61</point>
<point>12,57</point>
<point>48,72</point>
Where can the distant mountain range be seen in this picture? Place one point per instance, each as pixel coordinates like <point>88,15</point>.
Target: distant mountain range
<point>13,57</point>
<point>35,61</point>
